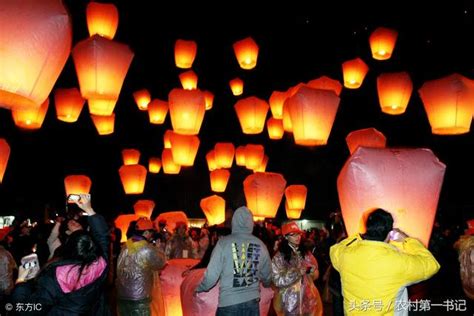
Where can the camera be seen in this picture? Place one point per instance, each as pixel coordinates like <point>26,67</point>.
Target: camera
<point>73,198</point>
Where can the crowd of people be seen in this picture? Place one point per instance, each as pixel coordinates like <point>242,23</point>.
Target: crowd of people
<point>77,265</point>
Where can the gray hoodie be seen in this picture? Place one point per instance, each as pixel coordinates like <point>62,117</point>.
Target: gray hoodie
<point>240,261</point>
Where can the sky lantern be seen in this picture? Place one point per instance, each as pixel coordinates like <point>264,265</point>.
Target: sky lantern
<point>69,104</point>
<point>4,155</point>
<point>101,67</point>
<point>77,184</point>
<point>240,154</point>
<point>275,128</point>
<point>104,124</point>
<point>122,222</point>
<point>382,42</point>
<point>184,53</point>
<point>133,178</point>
<point>30,117</point>
<point>142,99</point>
<point>219,179</point>
<point>144,208</point>
<point>187,108</point>
<point>263,165</point>
<point>211,160</point>
<point>246,52</point>
<point>326,83</point>
<point>448,103</point>
<point>154,165</point>
<point>354,72</point>
<point>35,43</point>
<point>277,99</point>
<point>394,91</point>
<point>157,111</point>
<point>184,149</point>
<point>251,112</point>
<point>189,80</point>
<point>102,19</point>
<point>254,155</point>
<point>224,154</point>
<point>292,213</point>
<point>312,113</point>
<point>287,124</point>
<point>209,99</point>
<point>214,209</point>
<point>130,156</point>
<point>367,137</point>
<point>104,107</point>
<point>172,218</point>
<point>236,86</point>
<point>263,193</point>
<point>295,195</point>
<point>405,182</point>
<point>169,166</point>
<point>166,139</point>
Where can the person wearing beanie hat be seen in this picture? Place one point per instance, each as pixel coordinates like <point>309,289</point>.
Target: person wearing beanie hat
<point>136,263</point>
<point>239,261</point>
<point>293,274</point>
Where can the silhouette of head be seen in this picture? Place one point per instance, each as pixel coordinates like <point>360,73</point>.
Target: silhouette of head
<point>378,225</point>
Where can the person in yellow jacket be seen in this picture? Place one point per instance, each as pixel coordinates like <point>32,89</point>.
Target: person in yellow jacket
<point>376,267</point>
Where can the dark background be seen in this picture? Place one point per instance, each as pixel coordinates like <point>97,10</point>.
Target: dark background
<point>299,41</point>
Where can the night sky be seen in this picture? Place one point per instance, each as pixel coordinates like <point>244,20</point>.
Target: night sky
<point>298,42</point>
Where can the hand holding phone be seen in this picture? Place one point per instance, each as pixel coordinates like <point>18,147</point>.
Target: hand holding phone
<point>30,265</point>
<point>73,198</point>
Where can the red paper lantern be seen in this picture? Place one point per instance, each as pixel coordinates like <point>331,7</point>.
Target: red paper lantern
<point>394,90</point>
<point>263,192</point>
<point>4,156</point>
<point>251,112</point>
<point>102,19</point>
<point>69,104</point>
<point>144,208</point>
<point>133,178</point>
<point>354,72</point>
<point>382,42</point>
<point>184,53</point>
<point>367,137</point>
<point>246,52</point>
<point>77,184</point>
<point>130,156</point>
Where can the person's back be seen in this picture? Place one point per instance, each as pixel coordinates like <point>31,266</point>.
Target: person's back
<point>465,247</point>
<point>240,261</point>
<point>375,273</point>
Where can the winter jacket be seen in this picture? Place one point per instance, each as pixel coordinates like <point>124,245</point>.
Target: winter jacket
<point>135,266</point>
<point>240,261</point>
<point>296,293</point>
<point>374,274</point>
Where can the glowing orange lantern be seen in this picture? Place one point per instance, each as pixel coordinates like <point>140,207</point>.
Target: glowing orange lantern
<point>209,98</point>
<point>157,111</point>
<point>77,184</point>
<point>166,139</point>
<point>394,90</point>
<point>169,166</point>
<point>287,124</point>
<point>184,53</point>
<point>326,83</point>
<point>263,193</point>
<point>187,108</point>
<point>144,208</point>
<point>122,222</point>
<point>103,107</point>
<point>142,99</point>
<point>189,80</point>
<point>224,154</point>
<point>382,42</point>
<point>130,156</point>
<point>263,165</point>
<point>104,124</point>
<point>102,19</point>
<point>312,114</point>
<point>133,178</point>
<point>211,160</point>
<point>68,103</point>
<point>219,179</point>
<point>246,52</point>
<point>171,218</point>
<point>354,72</point>
<point>240,154</point>
<point>30,117</point>
<point>276,103</point>
<point>214,209</point>
<point>448,103</point>
<point>101,67</point>
<point>154,165</point>
<point>275,128</point>
<point>4,155</point>
<point>35,44</point>
<point>184,148</point>
<point>252,112</point>
<point>408,184</point>
<point>292,213</point>
<point>237,86</point>
<point>367,137</point>
<point>296,196</point>
<point>254,155</point>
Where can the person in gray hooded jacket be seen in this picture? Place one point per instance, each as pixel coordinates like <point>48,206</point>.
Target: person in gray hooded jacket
<point>240,261</point>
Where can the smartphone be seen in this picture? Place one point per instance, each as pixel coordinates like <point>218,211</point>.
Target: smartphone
<point>72,198</point>
<point>31,263</point>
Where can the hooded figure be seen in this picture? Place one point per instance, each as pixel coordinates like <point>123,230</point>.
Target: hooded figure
<point>240,261</point>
